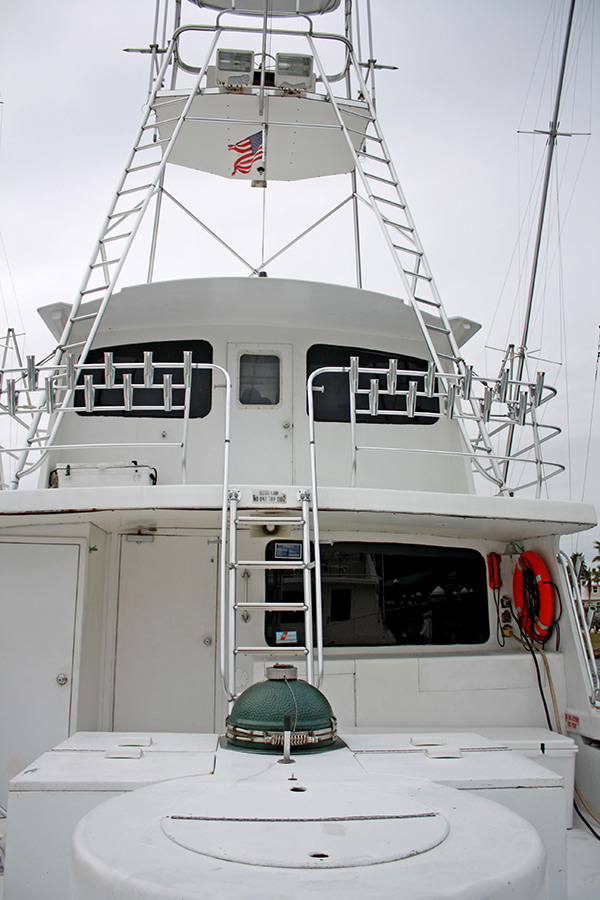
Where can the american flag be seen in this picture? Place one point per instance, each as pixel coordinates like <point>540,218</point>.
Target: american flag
<point>250,150</point>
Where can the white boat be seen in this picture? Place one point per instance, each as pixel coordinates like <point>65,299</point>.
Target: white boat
<point>262,631</point>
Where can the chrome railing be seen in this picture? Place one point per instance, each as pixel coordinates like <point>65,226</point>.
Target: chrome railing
<point>503,402</point>
<point>582,630</point>
<point>32,390</point>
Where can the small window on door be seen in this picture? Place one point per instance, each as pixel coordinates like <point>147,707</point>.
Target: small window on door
<point>259,383</point>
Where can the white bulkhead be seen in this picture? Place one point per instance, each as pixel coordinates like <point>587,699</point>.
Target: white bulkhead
<point>233,472</point>
<point>280,331</point>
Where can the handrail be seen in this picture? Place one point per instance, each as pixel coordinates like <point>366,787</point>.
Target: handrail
<point>316,530</point>
<point>149,369</point>
<point>422,385</point>
<point>286,32</point>
<point>584,636</point>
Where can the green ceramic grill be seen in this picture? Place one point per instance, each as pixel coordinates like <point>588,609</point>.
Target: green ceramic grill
<point>257,717</point>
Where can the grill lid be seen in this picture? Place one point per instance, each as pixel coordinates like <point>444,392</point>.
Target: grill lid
<point>257,717</point>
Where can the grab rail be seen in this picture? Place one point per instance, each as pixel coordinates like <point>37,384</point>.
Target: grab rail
<point>584,636</point>
<point>64,379</point>
<point>503,401</point>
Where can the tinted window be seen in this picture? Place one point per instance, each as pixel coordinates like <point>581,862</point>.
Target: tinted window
<point>259,380</point>
<point>386,594</point>
<point>333,403</point>
<point>149,401</point>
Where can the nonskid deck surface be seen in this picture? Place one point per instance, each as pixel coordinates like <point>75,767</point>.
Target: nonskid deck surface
<point>583,864</point>
<point>231,818</point>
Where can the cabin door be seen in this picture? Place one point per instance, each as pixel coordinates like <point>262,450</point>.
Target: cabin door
<point>39,593</point>
<point>166,620</point>
<point>261,413</point>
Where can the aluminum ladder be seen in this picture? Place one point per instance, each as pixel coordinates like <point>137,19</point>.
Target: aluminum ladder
<point>140,183</point>
<point>386,200</point>
<point>232,603</point>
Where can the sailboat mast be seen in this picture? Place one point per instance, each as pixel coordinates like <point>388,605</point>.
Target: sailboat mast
<point>552,135</point>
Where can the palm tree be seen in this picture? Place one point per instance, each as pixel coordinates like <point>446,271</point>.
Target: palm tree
<point>578,562</point>
<point>582,572</point>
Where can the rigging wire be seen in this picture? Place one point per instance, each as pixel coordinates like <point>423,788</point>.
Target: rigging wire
<point>589,438</point>
<point>266,52</point>
<point>5,256</point>
<point>553,25</point>
<point>553,260</point>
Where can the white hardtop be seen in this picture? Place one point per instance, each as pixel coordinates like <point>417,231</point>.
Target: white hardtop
<point>261,302</point>
<point>417,512</point>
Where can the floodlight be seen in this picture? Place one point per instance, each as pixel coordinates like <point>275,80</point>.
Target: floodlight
<point>235,67</point>
<point>294,70</point>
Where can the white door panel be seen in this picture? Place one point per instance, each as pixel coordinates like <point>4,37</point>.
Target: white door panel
<point>261,432</point>
<point>39,595</point>
<point>165,657</point>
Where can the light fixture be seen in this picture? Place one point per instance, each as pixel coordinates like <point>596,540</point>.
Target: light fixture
<point>235,67</point>
<point>294,71</point>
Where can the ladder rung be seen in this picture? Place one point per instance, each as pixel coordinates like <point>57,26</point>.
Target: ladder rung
<point>418,275</point>
<point>269,520</point>
<point>103,287</point>
<point>392,224</point>
<point>358,115</point>
<point>115,237</point>
<point>106,262</point>
<point>157,143</point>
<point>405,229</point>
<point>389,202</point>
<point>379,178</point>
<point>270,564</point>
<point>447,356</point>
<point>438,328</point>
<point>133,190</point>
<point>71,346</point>
<point>166,101</point>
<point>126,212</point>
<point>435,303</point>
<point>150,165</point>
<point>273,607</point>
<point>366,155</point>
<point>406,249</point>
<point>83,317</point>
<point>154,125</point>
<point>272,650</point>
<point>362,134</point>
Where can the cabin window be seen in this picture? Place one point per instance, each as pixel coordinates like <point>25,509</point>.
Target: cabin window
<point>384,595</point>
<point>333,403</point>
<point>259,379</point>
<point>148,401</point>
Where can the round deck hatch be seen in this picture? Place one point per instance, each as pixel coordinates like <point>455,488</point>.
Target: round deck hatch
<point>297,829</point>
<point>246,832</point>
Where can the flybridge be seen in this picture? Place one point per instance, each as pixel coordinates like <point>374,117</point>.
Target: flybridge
<point>238,110</point>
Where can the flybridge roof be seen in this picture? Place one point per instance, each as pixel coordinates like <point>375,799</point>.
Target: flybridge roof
<point>305,140</point>
<point>262,302</point>
<point>275,7</point>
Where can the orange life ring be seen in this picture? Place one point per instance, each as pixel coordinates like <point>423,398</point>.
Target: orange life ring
<point>533,596</point>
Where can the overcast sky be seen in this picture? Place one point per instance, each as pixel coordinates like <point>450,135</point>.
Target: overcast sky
<point>466,82</point>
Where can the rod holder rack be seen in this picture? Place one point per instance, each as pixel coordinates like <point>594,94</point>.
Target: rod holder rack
<point>504,402</point>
